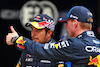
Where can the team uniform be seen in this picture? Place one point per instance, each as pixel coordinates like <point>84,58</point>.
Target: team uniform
<point>82,51</point>
<point>28,60</point>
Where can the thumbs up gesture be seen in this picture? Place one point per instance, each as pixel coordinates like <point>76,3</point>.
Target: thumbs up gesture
<point>10,35</point>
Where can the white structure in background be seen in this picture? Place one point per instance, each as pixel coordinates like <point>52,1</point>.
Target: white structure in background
<point>32,8</point>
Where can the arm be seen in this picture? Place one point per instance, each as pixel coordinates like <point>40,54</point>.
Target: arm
<point>52,51</point>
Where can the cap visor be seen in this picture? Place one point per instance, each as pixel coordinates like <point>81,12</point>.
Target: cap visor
<point>28,24</point>
<point>62,19</point>
<point>35,24</point>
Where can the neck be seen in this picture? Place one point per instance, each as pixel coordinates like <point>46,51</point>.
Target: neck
<point>48,39</point>
<point>80,32</point>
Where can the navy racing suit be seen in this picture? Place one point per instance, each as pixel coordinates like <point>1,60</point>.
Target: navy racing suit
<point>82,51</point>
<point>28,60</point>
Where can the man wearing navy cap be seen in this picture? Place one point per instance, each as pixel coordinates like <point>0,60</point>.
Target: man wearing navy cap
<point>42,32</point>
<point>81,49</point>
<point>82,19</point>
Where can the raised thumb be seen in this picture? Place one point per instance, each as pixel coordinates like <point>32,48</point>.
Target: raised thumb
<point>12,29</point>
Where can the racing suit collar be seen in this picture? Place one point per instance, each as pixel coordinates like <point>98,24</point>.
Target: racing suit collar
<point>51,40</point>
<point>88,33</point>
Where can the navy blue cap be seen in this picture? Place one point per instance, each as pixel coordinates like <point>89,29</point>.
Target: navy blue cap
<point>40,18</point>
<point>80,13</point>
<point>42,21</point>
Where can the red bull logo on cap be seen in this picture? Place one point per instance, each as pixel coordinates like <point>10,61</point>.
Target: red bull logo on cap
<point>95,61</point>
<point>37,17</point>
<point>44,23</point>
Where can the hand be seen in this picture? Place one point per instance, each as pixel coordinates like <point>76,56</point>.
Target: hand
<point>10,35</point>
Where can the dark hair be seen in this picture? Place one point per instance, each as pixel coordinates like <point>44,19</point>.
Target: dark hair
<point>47,29</point>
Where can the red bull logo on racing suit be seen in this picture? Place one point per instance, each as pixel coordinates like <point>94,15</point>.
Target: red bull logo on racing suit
<point>95,61</point>
<point>20,41</point>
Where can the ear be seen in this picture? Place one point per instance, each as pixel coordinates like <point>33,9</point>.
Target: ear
<point>75,23</point>
<point>49,33</point>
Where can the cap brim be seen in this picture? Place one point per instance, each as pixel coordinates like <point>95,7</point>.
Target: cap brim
<point>35,24</point>
<point>63,19</point>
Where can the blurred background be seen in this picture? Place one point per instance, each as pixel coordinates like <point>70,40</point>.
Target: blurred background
<point>19,12</point>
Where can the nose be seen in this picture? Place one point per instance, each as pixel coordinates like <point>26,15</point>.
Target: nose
<point>33,33</point>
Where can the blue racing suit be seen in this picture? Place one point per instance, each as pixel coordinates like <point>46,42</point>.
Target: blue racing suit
<point>82,51</point>
<point>28,60</point>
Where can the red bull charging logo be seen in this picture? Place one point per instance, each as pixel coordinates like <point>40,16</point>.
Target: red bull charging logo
<point>95,61</point>
<point>42,24</point>
<point>21,42</point>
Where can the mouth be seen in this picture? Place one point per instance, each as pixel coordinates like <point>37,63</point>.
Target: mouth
<point>35,39</point>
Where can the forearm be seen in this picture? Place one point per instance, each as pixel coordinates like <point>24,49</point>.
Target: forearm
<point>29,46</point>
<point>39,50</point>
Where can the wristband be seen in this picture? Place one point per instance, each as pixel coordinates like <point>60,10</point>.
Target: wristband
<point>13,39</point>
